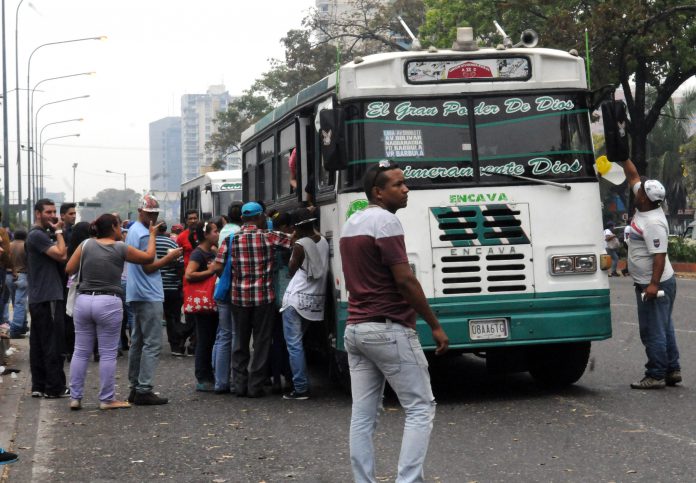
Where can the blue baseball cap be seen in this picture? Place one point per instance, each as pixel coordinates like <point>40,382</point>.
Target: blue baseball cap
<point>251,209</point>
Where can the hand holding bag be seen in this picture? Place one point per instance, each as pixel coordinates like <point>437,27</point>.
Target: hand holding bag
<point>72,290</point>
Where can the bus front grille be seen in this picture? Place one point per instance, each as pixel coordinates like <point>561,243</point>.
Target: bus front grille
<point>482,249</point>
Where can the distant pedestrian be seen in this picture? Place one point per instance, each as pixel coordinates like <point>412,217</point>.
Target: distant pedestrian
<point>204,236</point>
<point>305,296</point>
<point>612,245</point>
<point>18,255</point>
<point>45,261</point>
<point>384,296</point>
<point>145,294</point>
<point>98,309</point>
<point>68,215</point>
<point>7,276</point>
<point>253,298</point>
<point>654,280</point>
<point>184,241</point>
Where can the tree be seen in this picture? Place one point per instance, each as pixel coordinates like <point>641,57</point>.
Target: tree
<point>666,158</point>
<point>112,201</point>
<point>634,44</point>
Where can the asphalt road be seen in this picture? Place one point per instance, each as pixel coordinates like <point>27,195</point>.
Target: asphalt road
<point>487,428</point>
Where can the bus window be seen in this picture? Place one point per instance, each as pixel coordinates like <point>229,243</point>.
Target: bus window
<point>287,144</point>
<point>250,173</point>
<point>266,171</point>
<point>540,136</point>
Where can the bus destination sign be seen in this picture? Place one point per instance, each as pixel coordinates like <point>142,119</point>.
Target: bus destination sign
<point>230,186</point>
<point>452,70</point>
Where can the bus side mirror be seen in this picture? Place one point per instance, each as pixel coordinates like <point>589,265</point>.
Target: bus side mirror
<point>332,140</point>
<point>615,119</point>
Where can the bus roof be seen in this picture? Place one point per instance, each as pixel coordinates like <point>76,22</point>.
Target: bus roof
<point>383,76</point>
<point>230,180</point>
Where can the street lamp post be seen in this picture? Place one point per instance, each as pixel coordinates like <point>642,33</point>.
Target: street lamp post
<point>74,169</point>
<point>36,120</point>
<point>41,186</point>
<point>5,146</point>
<point>19,149</point>
<point>124,189</point>
<point>29,113</point>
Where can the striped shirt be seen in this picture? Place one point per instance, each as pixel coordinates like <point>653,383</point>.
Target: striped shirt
<point>253,260</point>
<point>170,278</point>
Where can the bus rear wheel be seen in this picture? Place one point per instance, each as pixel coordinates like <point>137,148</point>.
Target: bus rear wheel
<point>558,365</point>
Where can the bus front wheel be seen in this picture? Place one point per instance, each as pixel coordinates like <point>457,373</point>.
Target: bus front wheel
<point>557,365</point>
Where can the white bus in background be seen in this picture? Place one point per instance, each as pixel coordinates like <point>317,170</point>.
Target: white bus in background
<point>211,193</point>
<point>503,225</point>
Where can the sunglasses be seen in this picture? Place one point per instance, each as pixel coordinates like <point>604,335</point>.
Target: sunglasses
<point>382,165</point>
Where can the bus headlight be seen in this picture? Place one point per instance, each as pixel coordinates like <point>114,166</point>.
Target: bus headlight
<point>569,264</point>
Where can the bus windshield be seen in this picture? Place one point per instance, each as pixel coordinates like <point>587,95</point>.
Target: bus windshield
<point>542,136</point>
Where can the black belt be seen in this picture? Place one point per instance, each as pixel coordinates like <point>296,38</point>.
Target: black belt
<point>381,318</point>
<point>99,292</point>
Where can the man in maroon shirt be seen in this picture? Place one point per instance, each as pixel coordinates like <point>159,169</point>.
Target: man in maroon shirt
<point>383,298</point>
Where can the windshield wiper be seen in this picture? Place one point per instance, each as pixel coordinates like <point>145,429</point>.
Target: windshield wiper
<point>535,180</point>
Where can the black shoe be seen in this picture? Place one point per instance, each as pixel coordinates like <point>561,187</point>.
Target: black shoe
<point>149,399</point>
<point>131,396</point>
<point>6,457</point>
<point>298,396</point>
<point>256,394</point>
<point>62,394</point>
<point>223,391</point>
<point>240,393</point>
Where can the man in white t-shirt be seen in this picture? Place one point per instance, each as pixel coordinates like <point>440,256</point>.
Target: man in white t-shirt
<point>653,277</point>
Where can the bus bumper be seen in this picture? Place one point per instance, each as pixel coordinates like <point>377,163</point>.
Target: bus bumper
<point>533,319</point>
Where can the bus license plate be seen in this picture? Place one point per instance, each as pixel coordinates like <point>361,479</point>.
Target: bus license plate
<point>485,329</point>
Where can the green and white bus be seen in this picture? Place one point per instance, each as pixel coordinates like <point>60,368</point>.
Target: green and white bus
<point>503,225</point>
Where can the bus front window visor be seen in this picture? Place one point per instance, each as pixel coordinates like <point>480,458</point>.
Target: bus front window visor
<point>536,180</point>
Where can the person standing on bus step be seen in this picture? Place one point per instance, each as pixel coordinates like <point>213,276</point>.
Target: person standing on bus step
<point>253,297</point>
<point>188,330</point>
<point>305,295</point>
<point>384,296</point>
<point>612,245</point>
<point>45,262</point>
<point>145,294</point>
<point>654,280</point>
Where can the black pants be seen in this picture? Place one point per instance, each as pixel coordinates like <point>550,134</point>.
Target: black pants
<point>280,362</point>
<point>46,346</point>
<point>172,315</point>
<point>206,329</point>
<point>248,321</point>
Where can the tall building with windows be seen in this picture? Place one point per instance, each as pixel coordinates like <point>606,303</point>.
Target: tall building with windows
<point>197,115</point>
<point>165,165</point>
<point>165,154</point>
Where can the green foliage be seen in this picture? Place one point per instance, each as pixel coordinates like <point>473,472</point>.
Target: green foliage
<point>681,250</point>
<point>633,43</point>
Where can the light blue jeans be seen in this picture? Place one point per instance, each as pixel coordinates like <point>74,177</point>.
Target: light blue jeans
<point>146,344</point>
<point>222,350</point>
<point>19,318</point>
<point>379,352</point>
<point>294,327</point>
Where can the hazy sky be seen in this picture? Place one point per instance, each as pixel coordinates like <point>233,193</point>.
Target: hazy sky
<point>156,51</point>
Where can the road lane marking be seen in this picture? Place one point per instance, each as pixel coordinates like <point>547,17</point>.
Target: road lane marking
<point>685,331</point>
<point>638,426</point>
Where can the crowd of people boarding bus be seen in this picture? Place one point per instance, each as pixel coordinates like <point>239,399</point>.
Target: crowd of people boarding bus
<point>105,288</point>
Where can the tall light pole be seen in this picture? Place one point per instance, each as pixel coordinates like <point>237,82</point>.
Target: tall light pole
<point>36,120</point>
<point>29,113</point>
<point>19,149</point>
<point>76,135</point>
<point>124,188</point>
<point>5,145</point>
<point>74,169</point>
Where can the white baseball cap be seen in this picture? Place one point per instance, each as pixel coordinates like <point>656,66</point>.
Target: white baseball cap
<point>654,190</point>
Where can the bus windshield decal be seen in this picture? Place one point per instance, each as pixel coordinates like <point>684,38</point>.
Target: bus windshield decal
<point>407,123</point>
<point>401,143</point>
<point>530,118</point>
<point>433,71</point>
<point>456,159</point>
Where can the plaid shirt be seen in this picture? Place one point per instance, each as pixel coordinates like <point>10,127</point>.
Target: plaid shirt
<point>253,258</point>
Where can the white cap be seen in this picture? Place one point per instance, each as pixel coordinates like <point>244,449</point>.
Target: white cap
<point>654,190</point>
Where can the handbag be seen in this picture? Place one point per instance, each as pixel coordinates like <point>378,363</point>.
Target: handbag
<point>224,284</point>
<point>72,290</point>
<point>198,296</point>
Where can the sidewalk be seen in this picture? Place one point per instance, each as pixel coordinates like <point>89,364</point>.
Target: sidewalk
<point>11,392</point>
